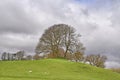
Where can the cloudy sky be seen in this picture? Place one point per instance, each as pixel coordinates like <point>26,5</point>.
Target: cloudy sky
<point>98,21</point>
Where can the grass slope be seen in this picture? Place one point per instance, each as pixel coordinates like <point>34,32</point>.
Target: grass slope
<point>53,69</point>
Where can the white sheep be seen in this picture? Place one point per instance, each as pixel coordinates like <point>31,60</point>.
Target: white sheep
<point>30,71</point>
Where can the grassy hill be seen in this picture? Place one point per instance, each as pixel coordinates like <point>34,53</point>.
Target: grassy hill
<point>53,69</point>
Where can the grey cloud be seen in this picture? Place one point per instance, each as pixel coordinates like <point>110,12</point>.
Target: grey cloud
<point>14,17</point>
<point>110,64</point>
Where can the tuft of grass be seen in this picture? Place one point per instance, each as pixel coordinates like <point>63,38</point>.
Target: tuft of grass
<point>53,69</point>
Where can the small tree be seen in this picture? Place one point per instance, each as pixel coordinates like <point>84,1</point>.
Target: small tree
<point>3,57</point>
<point>29,57</point>
<point>20,55</point>
<point>69,56</point>
<point>78,56</point>
<point>116,70</point>
<point>36,57</point>
<point>9,56</point>
<point>96,60</point>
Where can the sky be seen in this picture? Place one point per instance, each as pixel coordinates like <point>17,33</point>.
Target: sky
<point>22,22</point>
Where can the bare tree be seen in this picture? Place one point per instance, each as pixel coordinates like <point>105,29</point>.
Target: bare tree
<point>36,57</point>
<point>96,60</point>
<point>9,56</point>
<point>4,56</point>
<point>20,55</point>
<point>56,37</point>
<point>29,57</point>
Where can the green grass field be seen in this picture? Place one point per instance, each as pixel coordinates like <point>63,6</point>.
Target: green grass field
<point>53,69</point>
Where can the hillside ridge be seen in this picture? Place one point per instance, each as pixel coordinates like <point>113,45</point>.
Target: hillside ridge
<point>53,69</point>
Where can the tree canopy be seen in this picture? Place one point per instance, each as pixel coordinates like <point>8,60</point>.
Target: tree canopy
<point>59,36</point>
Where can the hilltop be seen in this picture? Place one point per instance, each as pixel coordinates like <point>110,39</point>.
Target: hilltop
<point>53,69</point>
